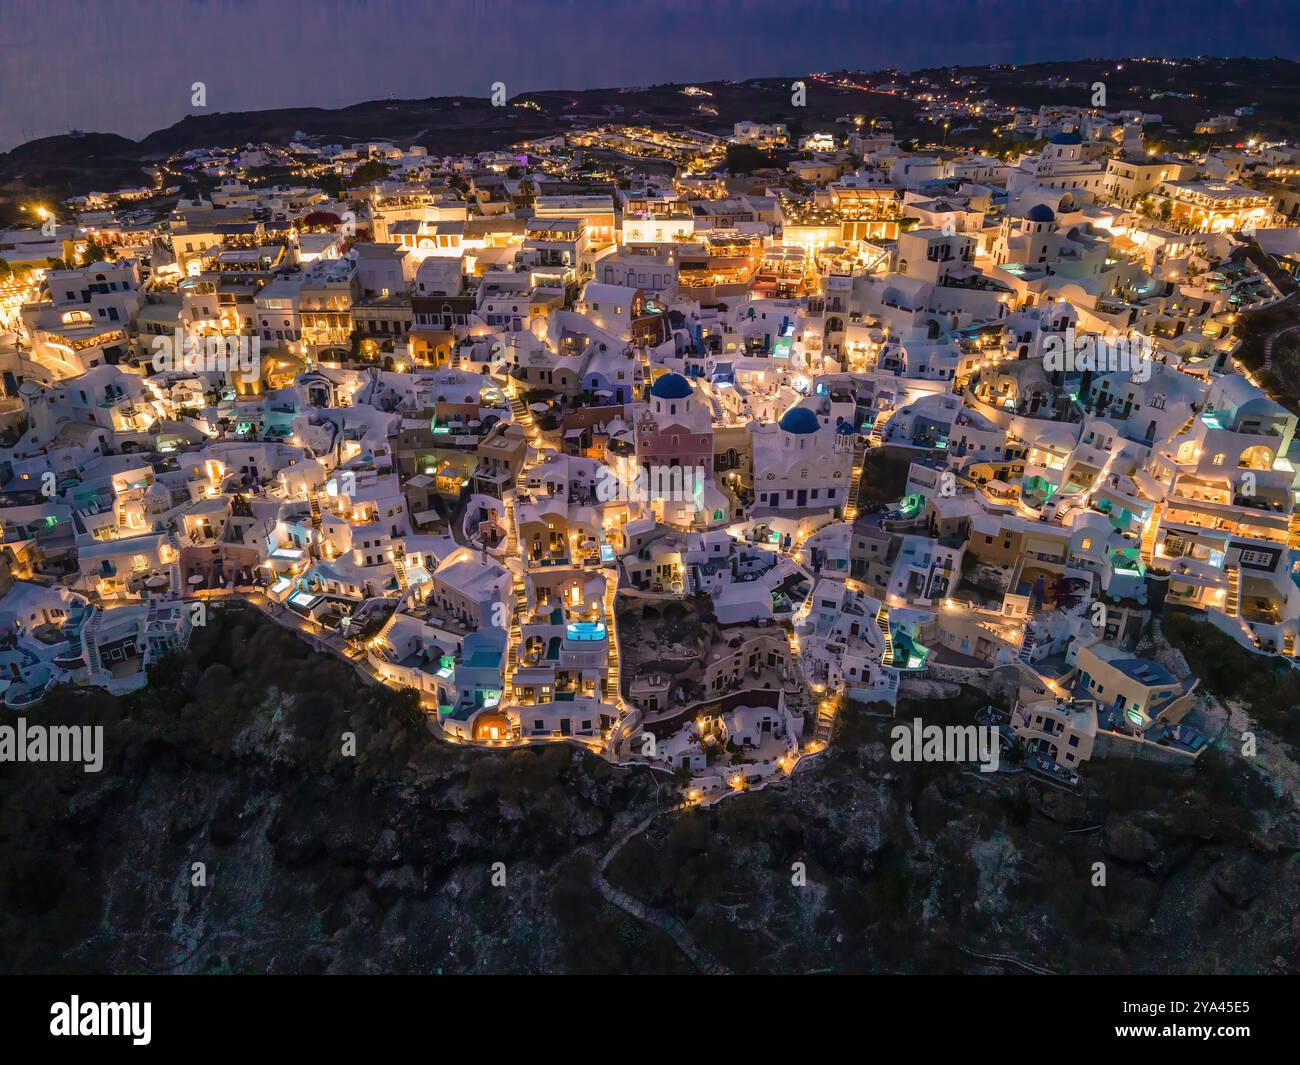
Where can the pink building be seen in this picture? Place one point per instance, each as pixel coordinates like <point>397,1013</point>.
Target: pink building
<point>674,429</point>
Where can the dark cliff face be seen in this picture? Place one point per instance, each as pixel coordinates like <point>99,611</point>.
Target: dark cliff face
<point>320,862</point>
<point>938,868</point>
<point>314,861</point>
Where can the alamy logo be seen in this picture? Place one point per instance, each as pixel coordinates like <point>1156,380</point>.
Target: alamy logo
<point>132,1019</point>
<point>217,354</point>
<point>1076,352</point>
<point>654,484</point>
<point>919,742</point>
<point>53,743</point>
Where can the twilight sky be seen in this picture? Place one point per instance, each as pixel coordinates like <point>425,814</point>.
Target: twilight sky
<point>126,66</point>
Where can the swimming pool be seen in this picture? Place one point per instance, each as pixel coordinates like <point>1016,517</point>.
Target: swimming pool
<point>585,630</point>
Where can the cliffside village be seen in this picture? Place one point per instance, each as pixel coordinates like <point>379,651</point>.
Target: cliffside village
<point>584,449</point>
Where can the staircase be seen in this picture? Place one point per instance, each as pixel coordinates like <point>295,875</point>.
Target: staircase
<point>1293,539</point>
<point>521,413</point>
<point>1027,646</point>
<point>613,693</point>
<point>399,564</point>
<point>382,634</point>
<point>882,623</point>
<point>688,580</point>
<point>512,533</point>
<point>825,722</point>
<point>93,659</point>
<point>315,510</point>
<point>878,429</point>
<point>855,482</point>
<point>174,574</point>
<point>515,638</point>
<point>1231,605</point>
<point>1148,549</point>
<point>719,415</point>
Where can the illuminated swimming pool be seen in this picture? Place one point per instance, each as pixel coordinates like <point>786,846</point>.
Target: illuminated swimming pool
<point>585,630</point>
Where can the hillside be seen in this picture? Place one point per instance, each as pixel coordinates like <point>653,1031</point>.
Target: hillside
<point>449,125</point>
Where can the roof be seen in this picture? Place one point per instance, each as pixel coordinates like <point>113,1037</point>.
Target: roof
<point>800,420</point>
<point>671,386</point>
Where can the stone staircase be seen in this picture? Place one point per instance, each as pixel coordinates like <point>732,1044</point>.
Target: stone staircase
<point>878,429</point>
<point>1232,602</point>
<point>855,482</point>
<point>516,635</point>
<point>825,722</point>
<point>522,415</point>
<point>93,659</point>
<point>614,694</point>
<point>1148,544</point>
<point>1027,646</point>
<point>512,532</point>
<point>399,564</point>
<point>882,623</point>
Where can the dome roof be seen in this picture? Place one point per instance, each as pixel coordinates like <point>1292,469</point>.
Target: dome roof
<point>671,386</point>
<point>1040,212</point>
<point>1067,138</point>
<point>800,420</point>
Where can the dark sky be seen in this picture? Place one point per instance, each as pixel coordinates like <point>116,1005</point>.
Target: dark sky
<point>127,66</point>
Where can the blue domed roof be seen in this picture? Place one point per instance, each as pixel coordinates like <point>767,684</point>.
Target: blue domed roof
<point>1067,138</point>
<point>1040,212</point>
<point>671,386</point>
<point>800,420</point>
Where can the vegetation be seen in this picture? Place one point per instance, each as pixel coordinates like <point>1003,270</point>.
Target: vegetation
<point>316,860</point>
<point>745,158</point>
<point>1267,688</point>
<point>884,477</point>
<point>1255,327</point>
<point>910,866</point>
<point>369,172</point>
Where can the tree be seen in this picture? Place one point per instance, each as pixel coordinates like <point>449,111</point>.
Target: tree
<point>745,158</point>
<point>321,220</point>
<point>369,172</point>
<point>331,184</point>
<point>97,252</point>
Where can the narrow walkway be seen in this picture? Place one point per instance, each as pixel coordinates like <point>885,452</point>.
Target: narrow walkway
<point>1007,959</point>
<point>670,926</point>
<point>1272,339</point>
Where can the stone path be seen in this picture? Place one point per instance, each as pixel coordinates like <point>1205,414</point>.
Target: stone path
<point>670,926</point>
